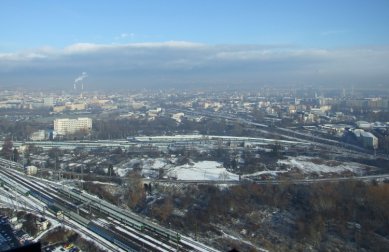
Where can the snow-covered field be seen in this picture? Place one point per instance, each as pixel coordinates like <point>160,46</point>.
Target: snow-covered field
<point>270,173</point>
<point>203,170</point>
<point>149,166</point>
<point>122,172</point>
<point>307,165</point>
<point>212,170</point>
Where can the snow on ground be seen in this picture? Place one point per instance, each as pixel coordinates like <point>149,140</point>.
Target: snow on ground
<point>203,170</point>
<point>122,172</point>
<point>149,166</point>
<point>16,200</point>
<point>89,235</point>
<point>54,225</point>
<point>98,182</point>
<point>241,240</point>
<point>271,173</point>
<point>144,241</point>
<point>5,197</point>
<point>154,163</point>
<point>306,165</point>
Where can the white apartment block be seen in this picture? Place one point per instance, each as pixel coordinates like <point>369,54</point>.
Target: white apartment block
<point>67,126</point>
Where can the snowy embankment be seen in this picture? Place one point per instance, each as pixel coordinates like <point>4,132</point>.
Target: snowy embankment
<point>149,166</point>
<point>225,235</point>
<point>310,165</point>
<point>260,173</point>
<point>203,170</point>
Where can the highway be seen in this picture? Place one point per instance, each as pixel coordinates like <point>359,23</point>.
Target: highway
<point>232,182</point>
<point>156,142</point>
<point>290,134</point>
<point>273,182</point>
<point>134,233</point>
<point>320,180</point>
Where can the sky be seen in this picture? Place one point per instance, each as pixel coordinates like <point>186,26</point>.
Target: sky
<point>194,43</point>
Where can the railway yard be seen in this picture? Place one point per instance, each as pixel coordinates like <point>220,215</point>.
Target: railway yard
<point>121,229</point>
<point>58,190</point>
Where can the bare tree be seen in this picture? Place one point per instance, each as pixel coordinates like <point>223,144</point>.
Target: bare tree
<point>7,149</point>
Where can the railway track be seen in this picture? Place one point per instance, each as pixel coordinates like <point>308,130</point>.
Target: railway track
<point>134,230</point>
<point>50,194</point>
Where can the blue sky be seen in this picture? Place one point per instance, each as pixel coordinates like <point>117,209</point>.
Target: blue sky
<point>42,32</point>
<point>29,24</point>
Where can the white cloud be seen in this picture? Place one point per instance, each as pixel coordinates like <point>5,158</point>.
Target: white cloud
<point>90,47</point>
<point>183,61</point>
<point>21,56</point>
<point>84,48</point>
<point>170,44</point>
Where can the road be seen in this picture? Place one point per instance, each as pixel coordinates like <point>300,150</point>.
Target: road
<point>290,134</point>
<point>211,182</point>
<point>275,181</point>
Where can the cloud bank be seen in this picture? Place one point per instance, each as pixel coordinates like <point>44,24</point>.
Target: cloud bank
<point>187,64</point>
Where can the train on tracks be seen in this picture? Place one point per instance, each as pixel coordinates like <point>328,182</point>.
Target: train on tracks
<point>124,217</point>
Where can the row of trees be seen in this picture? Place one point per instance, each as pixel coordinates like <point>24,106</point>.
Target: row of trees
<point>8,151</point>
<point>122,128</point>
<point>353,212</point>
<point>21,130</point>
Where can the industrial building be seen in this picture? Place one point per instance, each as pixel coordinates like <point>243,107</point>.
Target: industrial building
<point>367,139</point>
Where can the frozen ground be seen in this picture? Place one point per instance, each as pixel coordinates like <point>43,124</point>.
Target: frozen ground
<point>203,170</point>
<point>310,165</point>
<point>122,172</point>
<point>225,235</point>
<point>270,173</point>
<point>149,166</point>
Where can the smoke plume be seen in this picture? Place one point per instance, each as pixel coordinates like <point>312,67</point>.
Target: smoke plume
<point>81,77</point>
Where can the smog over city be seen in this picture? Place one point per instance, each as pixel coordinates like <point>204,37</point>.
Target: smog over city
<point>194,125</point>
<point>184,64</point>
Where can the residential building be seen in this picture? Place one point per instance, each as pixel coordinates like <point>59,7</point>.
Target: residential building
<point>67,126</point>
<point>39,135</point>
